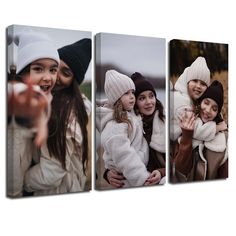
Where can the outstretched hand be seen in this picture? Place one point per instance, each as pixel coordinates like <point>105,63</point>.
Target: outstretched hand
<point>32,105</point>
<point>187,120</point>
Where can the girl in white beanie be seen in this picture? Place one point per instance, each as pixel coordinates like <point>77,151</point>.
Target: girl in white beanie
<point>188,88</point>
<point>153,118</point>
<point>125,149</point>
<point>37,65</point>
<point>204,160</point>
<point>66,152</point>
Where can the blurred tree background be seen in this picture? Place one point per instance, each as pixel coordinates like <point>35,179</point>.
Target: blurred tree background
<point>86,89</point>
<point>182,53</point>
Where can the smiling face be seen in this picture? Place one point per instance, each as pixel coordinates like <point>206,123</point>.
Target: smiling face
<point>128,100</point>
<point>196,88</point>
<point>146,102</point>
<point>65,76</point>
<point>43,72</point>
<point>208,109</point>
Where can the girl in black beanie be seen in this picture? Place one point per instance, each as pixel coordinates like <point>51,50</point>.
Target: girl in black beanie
<point>66,152</point>
<point>152,112</point>
<point>205,158</point>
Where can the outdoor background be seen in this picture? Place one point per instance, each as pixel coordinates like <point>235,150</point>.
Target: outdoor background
<point>60,38</point>
<point>127,54</point>
<point>183,53</point>
<point>190,209</point>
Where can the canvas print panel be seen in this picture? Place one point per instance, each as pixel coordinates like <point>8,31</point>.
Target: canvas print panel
<point>49,111</point>
<point>198,111</point>
<point>130,111</point>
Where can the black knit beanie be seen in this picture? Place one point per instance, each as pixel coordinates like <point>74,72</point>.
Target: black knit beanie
<point>77,56</point>
<point>141,84</point>
<point>215,91</point>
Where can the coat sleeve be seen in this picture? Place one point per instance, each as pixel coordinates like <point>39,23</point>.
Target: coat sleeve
<point>183,153</point>
<point>126,159</point>
<point>204,132</point>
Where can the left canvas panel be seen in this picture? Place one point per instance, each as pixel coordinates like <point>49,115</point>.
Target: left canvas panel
<point>48,111</point>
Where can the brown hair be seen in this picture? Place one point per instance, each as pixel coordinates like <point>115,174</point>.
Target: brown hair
<point>120,115</point>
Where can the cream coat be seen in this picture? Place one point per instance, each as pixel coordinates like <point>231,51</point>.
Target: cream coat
<point>20,150</point>
<point>158,139</point>
<point>126,153</point>
<point>48,176</point>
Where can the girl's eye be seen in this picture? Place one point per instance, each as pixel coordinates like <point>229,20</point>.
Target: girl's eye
<point>151,95</point>
<point>67,73</point>
<point>54,70</point>
<point>215,109</point>
<point>141,98</point>
<point>37,69</point>
<point>203,84</point>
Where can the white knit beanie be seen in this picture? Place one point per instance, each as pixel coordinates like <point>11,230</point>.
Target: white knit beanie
<point>33,46</point>
<point>116,85</point>
<point>198,70</point>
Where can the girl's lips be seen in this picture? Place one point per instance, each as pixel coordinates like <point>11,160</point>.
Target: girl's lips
<point>45,88</point>
<point>148,108</point>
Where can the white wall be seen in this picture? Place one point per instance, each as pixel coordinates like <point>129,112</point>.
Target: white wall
<point>191,209</point>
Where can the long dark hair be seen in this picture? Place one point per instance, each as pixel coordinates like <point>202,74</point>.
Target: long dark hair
<point>65,102</point>
<point>160,108</point>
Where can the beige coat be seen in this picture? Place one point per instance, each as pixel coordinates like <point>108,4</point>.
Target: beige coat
<point>48,176</point>
<point>20,150</point>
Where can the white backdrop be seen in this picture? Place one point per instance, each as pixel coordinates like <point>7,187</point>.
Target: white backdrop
<point>191,209</point>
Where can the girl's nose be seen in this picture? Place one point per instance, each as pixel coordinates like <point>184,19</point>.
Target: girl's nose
<point>47,76</point>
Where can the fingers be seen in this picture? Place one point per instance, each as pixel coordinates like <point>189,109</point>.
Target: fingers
<point>29,92</point>
<point>115,175</point>
<point>42,131</point>
<point>117,184</point>
<point>187,120</point>
<point>115,179</point>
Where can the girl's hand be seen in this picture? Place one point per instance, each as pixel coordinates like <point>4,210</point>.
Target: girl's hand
<point>115,178</point>
<point>154,178</point>
<point>32,105</point>
<point>221,126</point>
<point>187,120</point>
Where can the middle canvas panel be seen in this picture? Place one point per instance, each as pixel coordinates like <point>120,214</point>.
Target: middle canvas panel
<point>130,111</point>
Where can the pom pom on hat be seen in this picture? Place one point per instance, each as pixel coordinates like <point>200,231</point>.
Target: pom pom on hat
<point>116,85</point>
<point>77,56</point>
<point>33,46</point>
<point>141,84</point>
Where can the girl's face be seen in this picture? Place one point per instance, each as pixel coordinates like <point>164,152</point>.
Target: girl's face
<point>43,72</point>
<point>208,109</point>
<point>65,76</point>
<point>196,88</point>
<point>128,100</point>
<point>146,102</point>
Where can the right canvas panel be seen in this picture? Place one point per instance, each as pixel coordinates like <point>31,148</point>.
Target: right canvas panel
<point>198,111</point>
